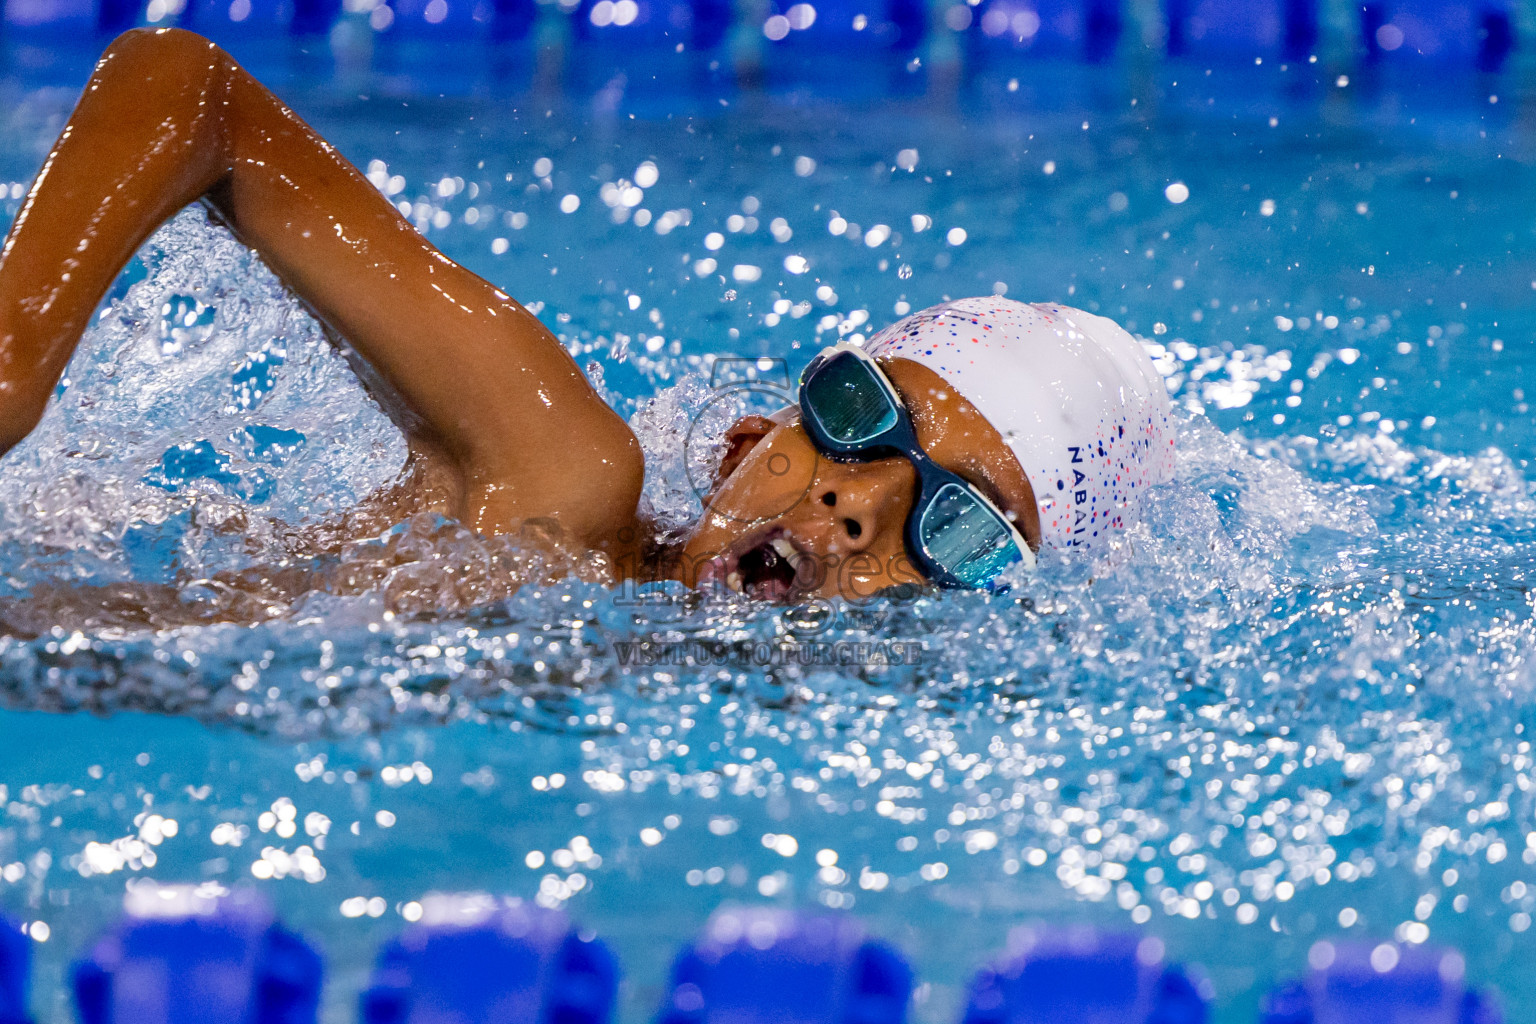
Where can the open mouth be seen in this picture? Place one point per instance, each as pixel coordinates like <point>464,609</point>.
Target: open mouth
<point>768,569</point>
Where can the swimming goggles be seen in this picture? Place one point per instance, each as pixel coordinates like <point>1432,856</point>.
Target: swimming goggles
<point>852,413</point>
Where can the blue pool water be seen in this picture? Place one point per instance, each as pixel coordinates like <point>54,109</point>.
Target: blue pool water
<point>1292,705</point>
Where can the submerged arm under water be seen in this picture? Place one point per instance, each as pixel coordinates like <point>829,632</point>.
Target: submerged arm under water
<point>168,119</point>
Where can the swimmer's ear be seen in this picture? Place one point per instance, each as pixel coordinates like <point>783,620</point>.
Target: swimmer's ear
<point>740,439</point>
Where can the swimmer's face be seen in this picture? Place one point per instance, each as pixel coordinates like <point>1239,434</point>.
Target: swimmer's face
<point>785,522</point>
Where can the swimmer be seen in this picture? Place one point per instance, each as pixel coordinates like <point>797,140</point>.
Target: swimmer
<point>948,450</point>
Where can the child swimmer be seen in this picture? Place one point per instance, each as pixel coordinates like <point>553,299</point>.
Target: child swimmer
<point>948,449</point>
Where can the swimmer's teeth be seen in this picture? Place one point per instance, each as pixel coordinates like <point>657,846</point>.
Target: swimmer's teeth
<point>733,580</point>
<point>787,551</point>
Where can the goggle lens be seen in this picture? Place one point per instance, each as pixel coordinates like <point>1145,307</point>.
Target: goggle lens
<point>960,533</point>
<point>849,402</point>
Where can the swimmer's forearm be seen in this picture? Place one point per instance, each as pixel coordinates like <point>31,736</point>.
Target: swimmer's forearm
<point>83,219</point>
<point>168,118</point>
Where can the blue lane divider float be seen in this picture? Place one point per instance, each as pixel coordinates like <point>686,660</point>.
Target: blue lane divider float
<point>828,27</point>
<point>221,19</point>
<point>1478,33</point>
<point>15,972</point>
<point>313,17</point>
<point>116,16</point>
<point>1089,29</point>
<point>513,20</point>
<point>767,966</point>
<point>1496,37</point>
<point>1386,984</point>
<point>204,955</point>
<point>655,25</point>
<point>1084,977</point>
<point>1288,29</point>
<point>1374,23</point>
<point>474,959</point>
<point>197,955</point>
<point>1459,31</point>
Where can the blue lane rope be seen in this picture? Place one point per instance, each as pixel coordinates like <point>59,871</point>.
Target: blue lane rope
<point>185,955</point>
<point>1482,33</point>
<point>474,960</point>
<point>15,973</point>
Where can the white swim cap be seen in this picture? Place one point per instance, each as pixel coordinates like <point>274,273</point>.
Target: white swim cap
<point>1074,396</point>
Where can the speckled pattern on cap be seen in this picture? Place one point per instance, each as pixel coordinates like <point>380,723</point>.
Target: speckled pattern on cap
<point>1072,393</point>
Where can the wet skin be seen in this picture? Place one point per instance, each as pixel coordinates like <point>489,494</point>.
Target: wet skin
<point>504,430</point>
<point>844,521</point>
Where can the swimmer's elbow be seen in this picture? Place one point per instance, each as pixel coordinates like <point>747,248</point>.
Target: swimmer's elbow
<point>603,486</point>
<point>161,40</point>
<point>164,51</point>
<point>590,488</point>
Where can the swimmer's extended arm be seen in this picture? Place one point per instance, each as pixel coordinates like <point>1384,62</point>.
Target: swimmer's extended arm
<point>167,119</point>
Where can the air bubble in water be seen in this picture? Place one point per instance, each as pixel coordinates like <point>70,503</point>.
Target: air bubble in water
<point>184,321</point>
<point>256,376</point>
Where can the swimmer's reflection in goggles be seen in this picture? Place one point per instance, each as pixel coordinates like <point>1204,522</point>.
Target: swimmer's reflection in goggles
<point>853,413</point>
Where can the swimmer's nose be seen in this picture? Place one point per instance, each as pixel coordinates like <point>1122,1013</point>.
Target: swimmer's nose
<point>852,526</point>
<point>870,497</point>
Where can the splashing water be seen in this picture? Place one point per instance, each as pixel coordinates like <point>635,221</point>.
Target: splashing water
<point>1291,701</point>
<point>111,485</point>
